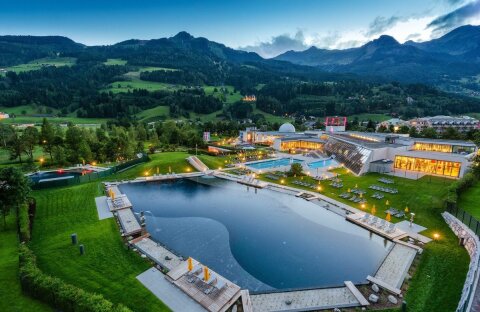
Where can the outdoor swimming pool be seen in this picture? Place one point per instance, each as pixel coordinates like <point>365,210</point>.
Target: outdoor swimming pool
<point>39,177</point>
<point>322,164</point>
<point>273,163</point>
<point>262,241</point>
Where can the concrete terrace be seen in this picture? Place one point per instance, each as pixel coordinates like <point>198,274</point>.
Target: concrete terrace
<point>305,300</point>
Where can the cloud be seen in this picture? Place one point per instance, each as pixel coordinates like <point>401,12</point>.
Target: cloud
<point>465,14</point>
<point>278,45</point>
<point>380,24</point>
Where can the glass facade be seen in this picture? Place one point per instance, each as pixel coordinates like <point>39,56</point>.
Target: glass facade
<point>287,145</point>
<point>353,156</point>
<point>432,166</point>
<point>443,148</point>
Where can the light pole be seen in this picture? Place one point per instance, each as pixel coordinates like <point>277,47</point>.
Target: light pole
<point>412,215</point>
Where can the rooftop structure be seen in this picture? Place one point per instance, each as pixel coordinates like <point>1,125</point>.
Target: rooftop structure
<point>287,128</point>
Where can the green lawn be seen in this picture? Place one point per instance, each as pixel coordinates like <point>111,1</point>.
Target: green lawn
<point>111,62</point>
<point>230,96</point>
<point>38,64</point>
<point>56,120</point>
<point>470,199</point>
<point>439,279</point>
<point>11,296</point>
<point>153,114</point>
<point>136,83</point>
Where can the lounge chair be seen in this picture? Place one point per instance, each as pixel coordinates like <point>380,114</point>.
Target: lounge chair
<point>373,221</point>
<point>365,217</point>
<point>380,224</point>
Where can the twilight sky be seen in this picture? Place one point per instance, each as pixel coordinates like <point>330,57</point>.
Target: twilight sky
<point>269,27</point>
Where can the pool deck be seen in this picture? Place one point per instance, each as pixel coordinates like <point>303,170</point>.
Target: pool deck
<point>102,208</point>
<point>217,301</point>
<point>309,300</point>
<point>128,222</point>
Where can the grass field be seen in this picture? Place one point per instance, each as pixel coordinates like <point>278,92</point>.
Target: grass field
<point>230,96</point>
<point>11,296</point>
<point>153,114</point>
<point>470,199</point>
<point>111,62</point>
<point>40,63</point>
<point>56,120</point>
<point>136,83</point>
<point>439,279</point>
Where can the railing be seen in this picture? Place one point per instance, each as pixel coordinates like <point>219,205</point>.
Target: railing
<point>89,177</point>
<point>470,241</point>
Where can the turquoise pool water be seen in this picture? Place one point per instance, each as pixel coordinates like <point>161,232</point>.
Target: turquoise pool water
<point>267,164</point>
<point>261,241</point>
<point>322,163</point>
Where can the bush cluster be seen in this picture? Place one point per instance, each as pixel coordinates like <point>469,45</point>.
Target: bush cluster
<point>56,292</point>
<point>459,186</point>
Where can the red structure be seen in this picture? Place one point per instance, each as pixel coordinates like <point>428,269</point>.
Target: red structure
<point>336,121</point>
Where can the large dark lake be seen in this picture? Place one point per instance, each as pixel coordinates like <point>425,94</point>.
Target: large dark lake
<point>261,241</point>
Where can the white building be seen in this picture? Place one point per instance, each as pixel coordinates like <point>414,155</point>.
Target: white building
<point>4,115</point>
<point>441,123</point>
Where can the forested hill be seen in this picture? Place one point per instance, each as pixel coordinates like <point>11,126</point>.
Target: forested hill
<point>195,75</point>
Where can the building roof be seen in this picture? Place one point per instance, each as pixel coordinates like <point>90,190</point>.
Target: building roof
<point>446,142</point>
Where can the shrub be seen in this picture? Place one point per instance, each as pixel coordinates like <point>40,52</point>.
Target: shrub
<point>56,292</point>
<point>24,223</point>
<point>459,186</point>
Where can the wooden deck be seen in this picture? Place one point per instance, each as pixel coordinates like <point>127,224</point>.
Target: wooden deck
<point>120,202</point>
<point>357,293</point>
<point>218,300</point>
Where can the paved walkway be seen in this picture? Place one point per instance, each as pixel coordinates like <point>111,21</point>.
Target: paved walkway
<point>102,208</point>
<point>168,293</point>
<point>396,265</point>
<point>305,300</point>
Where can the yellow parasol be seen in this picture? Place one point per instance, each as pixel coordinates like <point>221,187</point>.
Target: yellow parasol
<point>190,263</point>
<point>206,274</point>
<point>388,217</point>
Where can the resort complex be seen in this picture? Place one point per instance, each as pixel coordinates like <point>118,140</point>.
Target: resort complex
<point>305,161</point>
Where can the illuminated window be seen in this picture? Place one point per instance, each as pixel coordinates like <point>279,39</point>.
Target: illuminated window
<point>433,166</point>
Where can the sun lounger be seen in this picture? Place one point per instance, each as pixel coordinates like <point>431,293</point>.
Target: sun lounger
<point>373,220</point>
<point>365,217</point>
<point>380,224</point>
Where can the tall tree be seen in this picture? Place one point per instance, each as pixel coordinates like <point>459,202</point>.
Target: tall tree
<point>30,139</point>
<point>47,137</point>
<point>14,189</point>
<point>16,146</point>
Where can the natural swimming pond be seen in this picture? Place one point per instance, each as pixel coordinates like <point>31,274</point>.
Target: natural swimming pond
<point>261,241</point>
<point>267,164</point>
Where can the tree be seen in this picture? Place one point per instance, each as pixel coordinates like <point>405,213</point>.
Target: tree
<point>429,132</point>
<point>296,169</point>
<point>16,146</point>
<point>14,189</point>
<point>47,137</point>
<point>30,139</point>
<point>413,132</point>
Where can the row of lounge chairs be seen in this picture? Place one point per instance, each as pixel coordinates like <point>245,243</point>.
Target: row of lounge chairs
<point>353,198</point>
<point>336,185</point>
<point>378,196</point>
<point>386,181</point>
<point>272,177</point>
<point>396,213</point>
<point>379,223</point>
<point>195,275</point>
<point>383,189</point>
<point>305,184</point>
<point>358,191</point>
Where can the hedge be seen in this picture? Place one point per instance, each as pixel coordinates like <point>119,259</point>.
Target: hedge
<point>56,292</point>
<point>24,223</point>
<point>458,187</point>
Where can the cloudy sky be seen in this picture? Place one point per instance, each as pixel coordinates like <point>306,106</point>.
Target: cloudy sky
<point>269,27</point>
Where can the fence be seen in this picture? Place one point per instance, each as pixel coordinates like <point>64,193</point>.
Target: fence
<point>91,176</point>
<point>473,224</point>
<point>466,218</point>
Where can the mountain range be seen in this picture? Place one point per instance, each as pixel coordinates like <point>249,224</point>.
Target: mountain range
<point>443,62</point>
<point>453,56</point>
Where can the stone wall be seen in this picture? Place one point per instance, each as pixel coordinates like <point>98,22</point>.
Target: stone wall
<point>472,245</point>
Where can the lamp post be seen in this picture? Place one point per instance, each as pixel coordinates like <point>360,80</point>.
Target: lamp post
<point>412,215</point>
